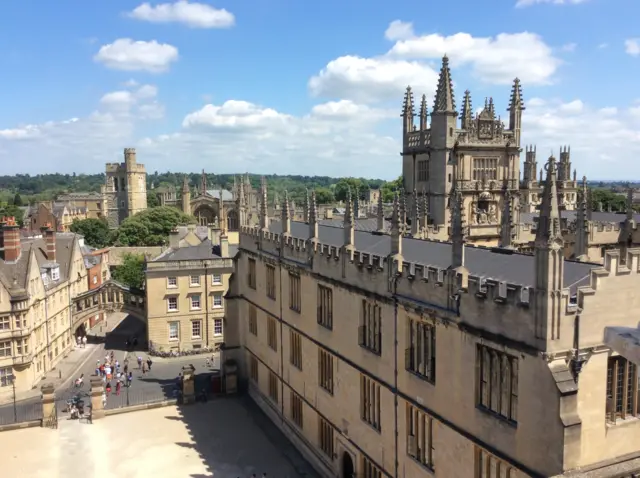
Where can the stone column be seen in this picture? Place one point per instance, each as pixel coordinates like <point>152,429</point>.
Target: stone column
<point>188,386</point>
<point>48,404</point>
<point>97,410</point>
<point>230,376</point>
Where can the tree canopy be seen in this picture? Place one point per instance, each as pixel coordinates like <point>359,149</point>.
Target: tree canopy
<point>131,271</point>
<point>95,231</point>
<point>150,227</point>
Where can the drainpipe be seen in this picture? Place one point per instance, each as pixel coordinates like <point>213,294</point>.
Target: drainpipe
<point>280,253</point>
<point>206,300</point>
<point>394,290</point>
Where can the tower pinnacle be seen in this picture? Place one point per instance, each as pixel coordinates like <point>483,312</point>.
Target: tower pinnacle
<point>444,101</point>
<point>467,110</point>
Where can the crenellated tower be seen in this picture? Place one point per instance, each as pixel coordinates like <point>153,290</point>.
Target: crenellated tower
<point>125,190</point>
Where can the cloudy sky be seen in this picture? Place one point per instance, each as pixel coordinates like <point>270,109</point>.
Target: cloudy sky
<point>299,87</point>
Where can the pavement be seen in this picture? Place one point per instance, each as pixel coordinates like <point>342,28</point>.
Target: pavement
<point>222,439</point>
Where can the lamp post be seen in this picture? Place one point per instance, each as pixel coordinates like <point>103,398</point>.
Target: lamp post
<point>12,377</point>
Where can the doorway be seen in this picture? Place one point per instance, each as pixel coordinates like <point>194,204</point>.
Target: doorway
<point>348,470</point>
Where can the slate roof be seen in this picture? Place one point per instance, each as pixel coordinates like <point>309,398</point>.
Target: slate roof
<point>369,224</point>
<point>226,195</point>
<point>597,216</point>
<point>516,268</point>
<point>18,270</point>
<point>204,250</point>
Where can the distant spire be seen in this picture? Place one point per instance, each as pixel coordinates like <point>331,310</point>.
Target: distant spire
<point>380,213</point>
<point>396,234</point>
<point>516,102</point>
<point>467,110</point>
<point>408,110</point>
<point>348,225</point>
<point>582,222</point>
<point>423,113</point>
<point>223,214</point>
<point>415,215</point>
<point>276,202</point>
<point>185,185</point>
<point>313,217</point>
<point>203,183</point>
<point>286,218</point>
<point>548,231</point>
<point>444,101</point>
<point>305,209</point>
<point>264,217</point>
<point>492,108</point>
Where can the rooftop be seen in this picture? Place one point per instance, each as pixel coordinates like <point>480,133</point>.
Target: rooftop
<point>203,251</point>
<point>497,264</point>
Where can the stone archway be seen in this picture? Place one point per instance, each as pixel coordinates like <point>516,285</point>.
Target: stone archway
<point>348,470</point>
<point>232,221</point>
<point>205,215</point>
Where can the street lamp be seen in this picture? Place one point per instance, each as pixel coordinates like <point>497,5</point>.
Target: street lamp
<point>12,378</point>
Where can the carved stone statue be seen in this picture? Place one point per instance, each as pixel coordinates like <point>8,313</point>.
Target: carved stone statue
<point>493,214</point>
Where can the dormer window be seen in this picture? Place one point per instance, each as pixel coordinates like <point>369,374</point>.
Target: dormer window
<point>55,273</point>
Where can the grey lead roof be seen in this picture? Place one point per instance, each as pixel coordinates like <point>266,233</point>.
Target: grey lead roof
<point>204,250</point>
<point>516,268</point>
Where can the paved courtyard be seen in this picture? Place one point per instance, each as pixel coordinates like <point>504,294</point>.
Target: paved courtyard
<point>225,438</point>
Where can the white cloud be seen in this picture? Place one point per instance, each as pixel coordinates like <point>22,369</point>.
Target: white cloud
<point>569,47</point>
<point>528,3</point>
<point>572,108</point>
<point>194,15</point>
<point>495,60</point>
<point>632,46</point>
<point>371,79</point>
<point>235,114</point>
<point>126,54</point>
<point>399,30</point>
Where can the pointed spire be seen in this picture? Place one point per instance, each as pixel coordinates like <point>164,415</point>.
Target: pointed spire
<point>276,202</point>
<point>403,211</point>
<point>467,110</point>
<point>423,113</point>
<point>444,101</point>
<point>305,211</point>
<point>492,108</point>
<point>235,186</point>
<point>396,231</point>
<point>223,214</point>
<point>203,184</point>
<point>380,214</point>
<point>286,218</point>
<point>582,222</point>
<point>185,185</point>
<point>425,212</point>
<point>516,102</point>
<point>408,110</point>
<point>313,217</point>
<point>348,225</point>
<point>415,214</point>
<point>264,217</point>
<point>506,229</point>
<point>549,232</point>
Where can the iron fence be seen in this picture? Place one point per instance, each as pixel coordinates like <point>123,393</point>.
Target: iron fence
<point>20,412</point>
<point>132,396</point>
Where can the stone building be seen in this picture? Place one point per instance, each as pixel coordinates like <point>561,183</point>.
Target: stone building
<point>94,203</point>
<point>125,191</point>
<point>58,214</point>
<point>96,262</point>
<point>185,288</point>
<point>38,278</point>
<point>385,355</point>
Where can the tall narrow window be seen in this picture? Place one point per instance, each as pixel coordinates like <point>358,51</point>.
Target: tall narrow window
<point>295,293</point>
<point>295,349</point>
<point>369,470</point>
<point>272,335</point>
<point>370,402</point>
<point>296,409</point>
<point>622,389</point>
<point>251,275</point>
<point>325,437</point>
<point>423,170</point>
<point>497,377</point>
<point>253,368</point>
<point>273,387</point>
<point>253,320</point>
<point>488,466</point>
<point>325,370</point>
<point>325,307</point>
<point>369,333</point>
<point>271,281</point>
<point>420,356</point>
<point>420,436</point>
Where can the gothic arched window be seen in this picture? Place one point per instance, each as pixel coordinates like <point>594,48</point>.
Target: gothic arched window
<point>232,221</point>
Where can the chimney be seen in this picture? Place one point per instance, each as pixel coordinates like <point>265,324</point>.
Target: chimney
<point>10,239</point>
<point>224,245</point>
<point>49,235</point>
<point>174,239</point>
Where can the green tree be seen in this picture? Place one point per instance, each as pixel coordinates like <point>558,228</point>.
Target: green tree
<point>95,231</point>
<point>150,227</point>
<point>11,210</point>
<point>324,196</point>
<point>17,200</point>
<point>152,200</point>
<point>389,188</point>
<point>608,199</point>
<point>131,271</point>
<point>354,184</point>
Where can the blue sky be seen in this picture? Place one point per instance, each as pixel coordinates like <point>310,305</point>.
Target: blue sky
<point>296,87</point>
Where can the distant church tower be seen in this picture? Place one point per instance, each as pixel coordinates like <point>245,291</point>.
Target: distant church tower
<point>186,197</point>
<point>126,189</point>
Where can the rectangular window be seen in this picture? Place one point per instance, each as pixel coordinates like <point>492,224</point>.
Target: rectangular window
<point>174,330</point>
<point>5,348</point>
<point>253,368</point>
<point>325,370</point>
<point>369,333</point>
<point>196,329</point>
<point>325,307</point>
<point>273,387</point>
<point>423,170</point>
<point>194,281</point>
<point>296,409</point>
<point>253,320</point>
<point>5,323</point>
<point>217,327</point>
<point>251,276</point>
<point>370,401</point>
<point>420,356</point>
<point>172,303</point>
<point>497,378</point>
<point>420,436</point>
<point>195,302</point>
<point>271,281</point>
<point>5,374</point>
<point>622,389</point>
<point>488,466</point>
<point>295,349</point>
<point>217,301</point>
<point>369,470</point>
<point>216,279</point>
<point>272,337</point>
<point>325,432</point>
<point>295,293</point>
<point>485,169</point>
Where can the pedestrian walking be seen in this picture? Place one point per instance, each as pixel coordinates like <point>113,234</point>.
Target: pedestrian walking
<point>108,388</point>
<point>84,341</point>
<point>149,363</point>
<point>118,385</point>
<point>139,362</point>
<point>78,340</point>
<point>129,379</point>
<point>144,368</point>
<point>126,367</point>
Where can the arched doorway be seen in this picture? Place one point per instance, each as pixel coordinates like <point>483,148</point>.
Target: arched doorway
<point>348,470</point>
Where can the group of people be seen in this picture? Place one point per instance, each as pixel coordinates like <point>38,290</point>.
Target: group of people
<point>110,370</point>
<point>81,341</point>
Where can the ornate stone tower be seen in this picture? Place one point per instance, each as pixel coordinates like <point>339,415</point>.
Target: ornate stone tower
<point>125,189</point>
<point>186,197</point>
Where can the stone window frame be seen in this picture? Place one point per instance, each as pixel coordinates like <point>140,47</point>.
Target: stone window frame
<point>169,302</point>
<point>5,323</point>
<point>218,324</point>
<point>195,283</point>
<point>170,324</point>
<point>216,279</point>
<point>6,348</point>
<point>195,302</point>
<point>196,326</point>
<point>172,282</point>
<point>217,302</point>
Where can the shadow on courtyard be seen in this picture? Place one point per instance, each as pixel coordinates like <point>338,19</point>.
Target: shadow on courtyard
<point>234,438</point>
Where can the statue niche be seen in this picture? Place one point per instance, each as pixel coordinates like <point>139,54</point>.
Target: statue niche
<point>485,210</point>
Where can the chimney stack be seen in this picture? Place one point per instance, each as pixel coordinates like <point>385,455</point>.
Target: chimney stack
<point>224,245</point>
<point>10,239</point>
<point>174,239</point>
<point>49,235</point>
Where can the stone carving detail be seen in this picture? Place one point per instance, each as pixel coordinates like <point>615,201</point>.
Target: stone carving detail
<point>485,210</point>
<point>485,130</point>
